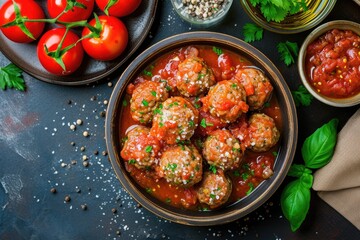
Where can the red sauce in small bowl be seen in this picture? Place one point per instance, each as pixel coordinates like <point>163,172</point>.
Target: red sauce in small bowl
<point>333,64</point>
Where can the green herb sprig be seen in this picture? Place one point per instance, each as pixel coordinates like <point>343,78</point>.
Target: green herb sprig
<point>11,77</point>
<point>252,32</point>
<point>277,10</point>
<point>317,151</point>
<point>288,52</point>
<point>302,96</point>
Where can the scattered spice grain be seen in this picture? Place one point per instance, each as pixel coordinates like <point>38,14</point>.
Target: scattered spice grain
<point>53,190</point>
<point>86,133</point>
<point>67,198</point>
<point>84,207</point>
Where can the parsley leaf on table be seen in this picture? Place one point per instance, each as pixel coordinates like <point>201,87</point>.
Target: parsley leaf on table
<point>11,77</point>
<point>288,50</point>
<point>252,32</point>
<point>302,96</point>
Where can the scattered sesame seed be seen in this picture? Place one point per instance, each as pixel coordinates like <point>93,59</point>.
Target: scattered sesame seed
<point>72,127</point>
<point>106,102</point>
<point>86,134</point>
<point>79,122</point>
<point>63,164</point>
<point>109,84</point>
<point>84,158</point>
<point>86,164</point>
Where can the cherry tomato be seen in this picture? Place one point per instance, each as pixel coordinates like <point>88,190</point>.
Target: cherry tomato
<point>111,42</point>
<point>72,58</point>
<point>28,9</point>
<point>77,13</point>
<point>121,8</point>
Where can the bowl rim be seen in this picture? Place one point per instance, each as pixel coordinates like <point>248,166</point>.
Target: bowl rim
<point>317,32</point>
<point>287,30</point>
<point>283,164</point>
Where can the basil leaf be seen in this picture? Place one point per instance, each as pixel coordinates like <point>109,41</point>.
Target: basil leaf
<point>295,201</point>
<point>318,148</point>
<point>297,170</point>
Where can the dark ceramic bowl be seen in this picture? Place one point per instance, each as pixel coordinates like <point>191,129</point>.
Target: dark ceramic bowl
<point>284,157</point>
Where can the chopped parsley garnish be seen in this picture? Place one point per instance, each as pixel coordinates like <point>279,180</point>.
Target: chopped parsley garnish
<point>275,154</point>
<point>302,96</point>
<point>200,76</point>
<point>149,190</point>
<point>124,103</point>
<point>145,103</point>
<point>148,148</point>
<point>252,32</point>
<point>213,196</point>
<point>251,188</point>
<point>153,93</point>
<point>234,85</point>
<point>212,168</point>
<point>236,173</point>
<point>168,200</point>
<point>245,176</point>
<point>191,123</point>
<point>218,51</point>
<point>148,73</point>
<point>204,124</point>
<point>168,88</point>
<point>161,124</point>
<point>132,161</point>
<point>288,50</point>
<point>172,166</point>
<point>246,166</point>
<point>267,104</point>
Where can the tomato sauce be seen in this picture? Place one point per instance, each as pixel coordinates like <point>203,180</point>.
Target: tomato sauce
<point>251,171</point>
<point>333,64</point>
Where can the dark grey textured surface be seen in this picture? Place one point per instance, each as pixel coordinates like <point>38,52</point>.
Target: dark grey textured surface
<point>35,140</point>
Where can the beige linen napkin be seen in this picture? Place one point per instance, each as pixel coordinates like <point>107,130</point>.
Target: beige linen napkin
<point>338,183</point>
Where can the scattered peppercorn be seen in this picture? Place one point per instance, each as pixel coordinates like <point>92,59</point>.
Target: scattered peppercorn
<point>104,153</point>
<point>53,190</point>
<point>203,9</point>
<point>72,143</point>
<point>69,101</point>
<point>83,207</point>
<point>114,210</point>
<point>78,190</point>
<point>85,164</point>
<point>84,158</point>
<point>96,152</point>
<point>118,232</point>
<point>67,198</point>
<point>82,148</point>
<point>138,205</point>
<point>93,98</point>
<point>73,162</point>
<point>63,164</point>
<point>102,114</point>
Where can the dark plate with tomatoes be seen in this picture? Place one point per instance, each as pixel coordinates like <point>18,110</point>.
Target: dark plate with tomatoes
<point>138,24</point>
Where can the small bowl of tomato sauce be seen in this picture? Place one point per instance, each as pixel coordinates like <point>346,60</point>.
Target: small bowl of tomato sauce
<point>201,128</point>
<point>329,63</point>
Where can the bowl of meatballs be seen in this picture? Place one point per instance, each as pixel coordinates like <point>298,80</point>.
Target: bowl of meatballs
<point>201,128</point>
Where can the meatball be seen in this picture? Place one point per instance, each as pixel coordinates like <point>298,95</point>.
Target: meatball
<point>194,77</point>
<point>262,132</point>
<point>226,100</point>
<point>145,99</point>
<point>175,120</point>
<point>222,149</point>
<point>181,165</point>
<point>140,148</point>
<point>257,86</point>
<point>215,189</point>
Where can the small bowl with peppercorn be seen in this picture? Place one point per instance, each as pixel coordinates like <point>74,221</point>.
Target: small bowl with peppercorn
<point>290,17</point>
<point>329,63</point>
<point>202,13</point>
<point>188,142</point>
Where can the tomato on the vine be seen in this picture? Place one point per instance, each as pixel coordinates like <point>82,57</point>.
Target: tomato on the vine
<point>118,8</point>
<point>81,9</point>
<point>28,9</point>
<point>72,58</point>
<point>111,41</point>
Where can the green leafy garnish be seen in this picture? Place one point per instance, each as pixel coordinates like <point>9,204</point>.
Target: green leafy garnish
<point>148,148</point>
<point>124,103</point>
<point>204,124</point>
<point>153,93</point>
<point>277,10</point>
<point>148,73</point>
<point>212,168</point>
<point>236,173</point>
<point>288,50</point>
<point>145,103</point>
<point>251,188</point>
<point>172,166</point>
<point>316,151</point>
<point>132,161</point>
<point>218,51</point>
<point>252,32</point>
<point>302,96</point>
<point>11,77</point>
